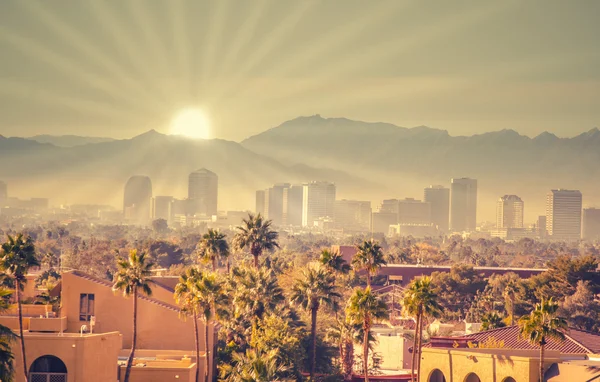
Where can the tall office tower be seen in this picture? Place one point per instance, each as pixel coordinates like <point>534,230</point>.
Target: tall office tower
<point>591,224</point>
<point>163,208</point>
<point>260,202</point>
<point>137,200</point>
<point>413,212</point>
<point>463,205</point>
<point>509,212</point>
<point>317,202</point>
<point>3,193</point>
<point>292,205</point>
<point>541,227</point>
<point>563,214</point>
<point>353,215</point>
<point>439,199</point>
<point>274,203</point>
<point>389,206</point>
<point>203,191</point>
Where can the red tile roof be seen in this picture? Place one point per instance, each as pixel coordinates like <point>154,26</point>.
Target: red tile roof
<point>576,342</point>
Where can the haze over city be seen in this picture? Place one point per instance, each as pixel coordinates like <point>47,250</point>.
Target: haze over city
<point>299,190</point>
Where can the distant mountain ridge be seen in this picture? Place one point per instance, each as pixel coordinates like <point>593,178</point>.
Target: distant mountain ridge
<point>68,140</point>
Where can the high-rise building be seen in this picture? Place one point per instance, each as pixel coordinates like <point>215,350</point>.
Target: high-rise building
<point>3,193</point>
<point>163,208</point>
<point>591,224</point>
<point>274,206</point>
<point>352,215</point>
<point>203,191</point>
<point>463,205</point>
<point>318,200</point>
<point>381,221</point>
<point>260,202</point>
<point>137,200</point>
<point>509,212</point>
<point>541,227</point>
<point>413,212</point>
<point>563,214</point>
<point>439,199</point>
<point>293,197</point>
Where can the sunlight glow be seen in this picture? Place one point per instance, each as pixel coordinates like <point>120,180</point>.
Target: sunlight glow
<point>191,123</point>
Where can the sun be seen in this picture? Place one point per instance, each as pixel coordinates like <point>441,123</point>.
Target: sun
<point>191,123</point>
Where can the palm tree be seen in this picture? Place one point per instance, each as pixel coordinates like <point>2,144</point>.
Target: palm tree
<point>255,233</point>
<point>7,370</point>
<point>542,324</point>
<point>369,258</point>
<point>315,288</point>
<point>510,293</point>
<point>334,262</point>
<point>343,335</point>
<point>254,366</point>
<point>187,298</point>
<point>132,278</point>
<point>256,292</point>
<point>364,307</point>
<point>420,301</point>
<point>17,257</point>
<point>213,245</point>
<point>491,320</point>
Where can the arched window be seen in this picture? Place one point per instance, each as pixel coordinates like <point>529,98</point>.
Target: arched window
<point>436,376</point>
<point>48,369</point>
<point>509,379</point>
<point>472,378</point>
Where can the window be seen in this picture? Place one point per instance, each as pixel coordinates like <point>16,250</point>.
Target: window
<point>86,306</point>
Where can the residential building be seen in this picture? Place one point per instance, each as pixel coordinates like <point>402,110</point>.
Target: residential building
<point>563,215</point>
<point>260,202</point>
<point>137,200</point>
<point>439,199</point>
<point>163,208</point>
<point>463,205</point>
<point>509,212</point>
<point>591,224</point>
<point>352,215</point>
<point>318,200</point>
<point>293,198</point>
<point>203,189</point>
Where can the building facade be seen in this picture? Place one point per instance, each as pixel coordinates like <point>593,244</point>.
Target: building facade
<point>293,198</point>
<point>163,208</point>
<point>591,224</point>
<point>463,205</point>
<point>353,215</point>
<point>274,203</point>
<point>439,199</point>
<point>563,214</point>
<point>509,212</point>
<point>137,199</point>
<point>203,190</point>
<point>260,202</point>
<point>318,200</point>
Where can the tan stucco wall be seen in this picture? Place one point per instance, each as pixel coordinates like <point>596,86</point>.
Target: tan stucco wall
<point>142,374</point>
<point>91,358</point>
<point>490,365</point>
<point>158,327</point>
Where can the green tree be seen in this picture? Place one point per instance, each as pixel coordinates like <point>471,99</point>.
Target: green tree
<point>255,234</point>
<point>17,257</point>
<point>254,366</point>
<point>541,324</point>
<point>492,320</point>
<point>420,300</point>
<point>343,334</point>
<point>316,287</point>
<point>334,262</point>
<point>7,336</point>
<point>364,308</point>
<point>212,246</point>
<point>132,278</point>
<point>368,258</point>
<point>509,294</point>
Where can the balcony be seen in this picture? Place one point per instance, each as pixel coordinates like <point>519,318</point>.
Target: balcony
<point>49,325</point>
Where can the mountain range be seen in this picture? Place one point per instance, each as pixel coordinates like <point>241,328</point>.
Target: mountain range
<point>370,161</point>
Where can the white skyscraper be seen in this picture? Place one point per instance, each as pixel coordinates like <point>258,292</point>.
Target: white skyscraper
<point>563,215</point>
<point>318,202</point>
<point>509,212</point>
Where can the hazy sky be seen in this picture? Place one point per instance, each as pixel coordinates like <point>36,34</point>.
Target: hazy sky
<point>118,68</point>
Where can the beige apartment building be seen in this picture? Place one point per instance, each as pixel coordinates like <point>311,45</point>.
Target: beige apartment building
<point>89,338</point>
